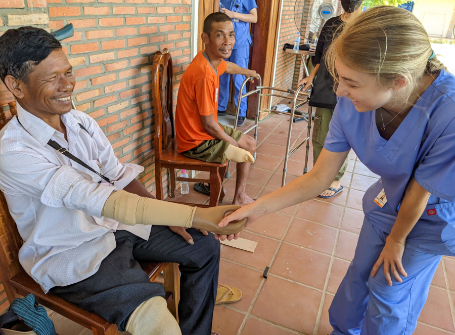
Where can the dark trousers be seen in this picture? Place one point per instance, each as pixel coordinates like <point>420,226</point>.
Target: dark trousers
<point>120,285</point>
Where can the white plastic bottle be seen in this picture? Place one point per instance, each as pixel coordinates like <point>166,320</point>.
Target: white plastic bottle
<point>297,42</point>
<point>184,188</point>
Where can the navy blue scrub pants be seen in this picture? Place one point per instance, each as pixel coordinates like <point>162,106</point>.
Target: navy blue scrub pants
<point>120,285</point>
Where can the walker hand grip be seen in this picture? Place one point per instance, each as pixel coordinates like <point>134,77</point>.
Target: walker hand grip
<point>64,33</point>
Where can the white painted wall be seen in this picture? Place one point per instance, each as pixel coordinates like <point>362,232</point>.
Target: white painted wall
<point>435,15</point>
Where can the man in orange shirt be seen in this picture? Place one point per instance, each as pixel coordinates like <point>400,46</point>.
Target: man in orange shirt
<point>199,135</point>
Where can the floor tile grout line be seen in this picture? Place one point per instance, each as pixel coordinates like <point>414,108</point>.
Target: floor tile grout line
<point>332,258</point>
<point>451,303</point>
<point>438,328</point>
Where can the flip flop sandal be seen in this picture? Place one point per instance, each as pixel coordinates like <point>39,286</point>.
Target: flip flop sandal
<point>331,189</point>
<point>202,188</point>
<point>227,294</point>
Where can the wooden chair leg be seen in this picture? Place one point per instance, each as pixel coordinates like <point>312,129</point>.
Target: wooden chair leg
<point>215,186</point>
<point>172,284</point>
<point>158,181</point>
<point>173,183</point>
<point>113,330</point>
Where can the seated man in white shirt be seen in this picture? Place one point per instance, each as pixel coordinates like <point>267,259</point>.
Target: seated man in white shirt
<point>72,247</point>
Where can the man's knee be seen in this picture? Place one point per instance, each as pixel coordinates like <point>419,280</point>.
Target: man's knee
<point>248,143</point>
<point>153,318</point>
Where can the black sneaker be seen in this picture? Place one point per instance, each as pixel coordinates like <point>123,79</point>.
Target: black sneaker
<point>240,121</point>
<point>221,113</point>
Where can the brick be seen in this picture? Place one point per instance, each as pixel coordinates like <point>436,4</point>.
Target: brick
<point>129,112</point>
<point>173,18</point>
<point>134,1</point>
<point>155,39</point>
<point>88,95</point>
<point>107,120</point>
<point>146,10</point>
<point>88,71</point>
<point>181,10</point>
<point>115,87</point>
<point>85,23</point>
<point>108,45</point>
<point>167,46</point>
<point>37,3</point>
<point>187,35</point>
<point>173,1</point>
<point>124,159</point>
<point>127,53</point>
<point>96,10</point>
<point>26,20</point>
<point>142,133</point>
<point>120,143</point>
<point>78,1</point>
<point>137,41</point>
<point>148,30</point>
<point>110,22</point>
<point>97,34</point>
<point>117,107</point>
<point>182,44</point>
<point>117,126</point>
<point>64,11</point>
<point>116,66</point>
<point>124,10</point>
<point>12,4</point>
<point>105,101</point>
<point>126,31</point>
<point>185,26</point>
<point>81,48</point>
<point>111,1</point>
<point>172,37</point>
<point>183,60</point>
<point>128,73</point>
<point>103,79</point>
<point>139,117</point>
<point>186,17</point>
<point>132,146</point>
<point>168,27</point>
<point>76,61</point>
<point>149,49</point>
<point>129,93</point>
<point>83,107</point>
<point>139,99</point>
<point>102,57</point>
<point>164,10</point>
<point>155,19</point>
<point>140,60</point>
<point>113,137</point>
<point>132,129</point>
<point>139,151</point>
<point>137,81</point>
<point>135,20</point>
<point>155,1</point>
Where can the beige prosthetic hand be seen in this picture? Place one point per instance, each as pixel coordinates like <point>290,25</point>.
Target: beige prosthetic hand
<point>131,209</point>
<point>238,155</point>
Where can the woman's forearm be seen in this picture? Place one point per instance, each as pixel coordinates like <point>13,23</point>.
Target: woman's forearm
<point>251,18</point>
<point>411,209</point>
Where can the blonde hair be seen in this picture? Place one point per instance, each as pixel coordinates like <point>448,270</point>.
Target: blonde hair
<point>387,42</point>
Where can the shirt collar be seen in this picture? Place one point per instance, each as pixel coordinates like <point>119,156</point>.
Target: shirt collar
<point>39,129</point>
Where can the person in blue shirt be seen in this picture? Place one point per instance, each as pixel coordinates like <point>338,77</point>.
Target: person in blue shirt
<point>242,13</point>
<point>396,111</point>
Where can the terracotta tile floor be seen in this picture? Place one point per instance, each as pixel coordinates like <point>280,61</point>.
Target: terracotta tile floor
<point>307,247</point>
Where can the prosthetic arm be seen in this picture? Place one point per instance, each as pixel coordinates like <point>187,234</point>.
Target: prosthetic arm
<point>131,209</point>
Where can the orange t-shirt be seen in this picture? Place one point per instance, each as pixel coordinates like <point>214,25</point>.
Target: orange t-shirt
<point>198,95</point>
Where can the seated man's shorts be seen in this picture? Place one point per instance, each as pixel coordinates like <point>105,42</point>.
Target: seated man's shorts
<point>213,151</point>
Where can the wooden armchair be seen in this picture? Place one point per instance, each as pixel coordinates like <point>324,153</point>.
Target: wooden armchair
<point>18,283</point>
<point>166,155</point>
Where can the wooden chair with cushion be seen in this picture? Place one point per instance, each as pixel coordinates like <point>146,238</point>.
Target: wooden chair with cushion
<point>166,155</point>
<point>18,283</point>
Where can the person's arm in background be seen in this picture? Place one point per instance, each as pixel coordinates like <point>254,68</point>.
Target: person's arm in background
<point>252,17</point>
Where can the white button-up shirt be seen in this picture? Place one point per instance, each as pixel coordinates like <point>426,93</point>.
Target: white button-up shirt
<point>56,202</point>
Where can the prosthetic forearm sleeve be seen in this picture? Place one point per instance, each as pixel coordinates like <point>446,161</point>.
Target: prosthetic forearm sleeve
<point>131,209</point>
<point>238,155</point>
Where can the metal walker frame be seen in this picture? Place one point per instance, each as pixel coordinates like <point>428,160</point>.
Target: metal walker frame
<point>299,99</point>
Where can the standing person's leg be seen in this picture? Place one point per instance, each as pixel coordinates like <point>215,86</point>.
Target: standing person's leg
<point>322,120</point>
<point>223,95</point>
<point>199,265</point>
<point>240,197</point>
<point>240,57</point>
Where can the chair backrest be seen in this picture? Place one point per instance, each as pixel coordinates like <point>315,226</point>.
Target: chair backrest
<point>10,240</point>
<point>162,101</point>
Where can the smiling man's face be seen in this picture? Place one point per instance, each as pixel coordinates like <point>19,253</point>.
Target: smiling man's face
<point>50,85</point>
<point>221,39</point>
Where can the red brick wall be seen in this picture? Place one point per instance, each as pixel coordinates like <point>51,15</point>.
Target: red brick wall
<point>112,52</point>
<point>294,15</point>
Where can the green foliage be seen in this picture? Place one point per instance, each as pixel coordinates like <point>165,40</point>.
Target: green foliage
<point>374,3</point>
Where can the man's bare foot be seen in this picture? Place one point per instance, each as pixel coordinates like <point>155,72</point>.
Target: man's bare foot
<point>328,193</point>
<point>242,200</point>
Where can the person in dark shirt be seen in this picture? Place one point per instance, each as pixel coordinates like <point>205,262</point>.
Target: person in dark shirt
<point>323,96</point>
